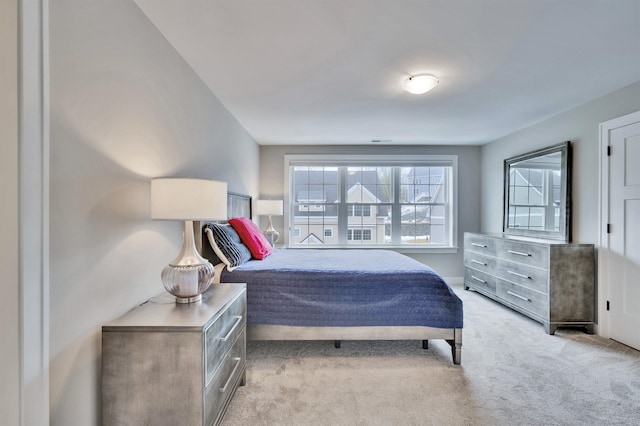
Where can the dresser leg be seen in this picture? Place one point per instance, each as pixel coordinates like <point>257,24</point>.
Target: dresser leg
<point>337,343</point>
<point>425,344</point>
<point>589,329</point>
<point>550,328</point>
<point>243,378</point>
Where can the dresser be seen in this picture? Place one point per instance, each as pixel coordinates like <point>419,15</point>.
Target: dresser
<point>175,364</point>
<point>548,281</point>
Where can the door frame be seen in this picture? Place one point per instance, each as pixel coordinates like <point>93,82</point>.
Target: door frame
<point>603,241</point>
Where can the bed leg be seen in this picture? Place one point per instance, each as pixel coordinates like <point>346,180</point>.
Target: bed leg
<point>425,344</point>
<point>456,346</point>
<point>337,343</point>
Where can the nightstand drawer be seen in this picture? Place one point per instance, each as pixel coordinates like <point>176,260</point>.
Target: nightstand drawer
<point>524,275</point>
<point>480,280</point>
<point>530,300</point>
<point>527,253</point>
<point>226,379</point>
<point>221,335</point>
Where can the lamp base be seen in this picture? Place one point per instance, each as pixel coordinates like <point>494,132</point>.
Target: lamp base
<point>190,274</point>
<point>185,300</point>
<point>187,283</point>
<point>270,233</point>
<point>271,236</point>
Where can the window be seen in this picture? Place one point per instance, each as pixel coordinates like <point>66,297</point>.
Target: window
<point>390,201</point>
<point>358,210</point>
<point>359,234</point>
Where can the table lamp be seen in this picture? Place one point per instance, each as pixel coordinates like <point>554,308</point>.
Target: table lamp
<point>188,199</point>
<point>270,208</point>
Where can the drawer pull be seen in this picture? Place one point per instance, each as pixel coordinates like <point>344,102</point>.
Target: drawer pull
<point>519,253</point>
<point>519,275</point>
<point>478,279</point>
<point>233,373</point>
<point>479,245</point>
<point>518,296</point>
<point>235,325</point>
<point>478,262</point>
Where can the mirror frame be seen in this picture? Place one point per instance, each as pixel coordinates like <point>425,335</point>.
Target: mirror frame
<point>565,190</point>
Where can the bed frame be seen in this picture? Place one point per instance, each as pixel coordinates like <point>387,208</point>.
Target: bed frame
<point>453,336</point>
<point>239,205</point>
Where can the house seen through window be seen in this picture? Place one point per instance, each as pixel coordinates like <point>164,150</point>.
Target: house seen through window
<point>354,201</point>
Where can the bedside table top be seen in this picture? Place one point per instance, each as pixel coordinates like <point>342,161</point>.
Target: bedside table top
<point>164,315</point>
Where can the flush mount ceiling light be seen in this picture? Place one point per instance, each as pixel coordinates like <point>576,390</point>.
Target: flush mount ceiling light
<point>419,84</point>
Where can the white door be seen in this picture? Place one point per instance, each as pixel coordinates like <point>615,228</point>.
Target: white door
<point>624,234</point>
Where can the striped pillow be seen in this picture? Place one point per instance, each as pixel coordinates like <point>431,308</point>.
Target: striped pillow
<point>226,244</point>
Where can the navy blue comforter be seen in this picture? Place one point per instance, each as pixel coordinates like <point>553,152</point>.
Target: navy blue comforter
<point>341,288</point>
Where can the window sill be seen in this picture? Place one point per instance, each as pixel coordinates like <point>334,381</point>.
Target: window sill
<point>399,249</point>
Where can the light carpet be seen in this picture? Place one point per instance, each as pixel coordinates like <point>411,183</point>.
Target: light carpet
<point>512,373</point>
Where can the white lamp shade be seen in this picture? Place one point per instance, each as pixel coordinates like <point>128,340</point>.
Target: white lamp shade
<point>188,199</point>
<point>269,207</point>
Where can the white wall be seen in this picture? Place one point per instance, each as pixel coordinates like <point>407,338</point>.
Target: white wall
<point>580,126</point>
<point>9,302</point>
<point>448,265</point>
<point>124,108</point>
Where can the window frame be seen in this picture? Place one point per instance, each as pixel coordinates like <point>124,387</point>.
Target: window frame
<point>451,245</point>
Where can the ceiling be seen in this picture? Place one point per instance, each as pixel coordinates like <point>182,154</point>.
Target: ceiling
<point>330,71</point>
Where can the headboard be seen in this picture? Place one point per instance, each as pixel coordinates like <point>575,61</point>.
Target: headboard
<point>238,205</point>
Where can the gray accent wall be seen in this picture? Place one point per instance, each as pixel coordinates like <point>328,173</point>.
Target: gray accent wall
<point>9,225</point>
<point>450,265</point>
<point>125,107</point>
<point>580,126</point>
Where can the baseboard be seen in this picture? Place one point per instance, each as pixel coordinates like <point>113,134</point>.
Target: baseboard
<point>454,281</point>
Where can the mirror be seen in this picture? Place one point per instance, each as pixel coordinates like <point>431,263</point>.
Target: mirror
<point>537,193</point>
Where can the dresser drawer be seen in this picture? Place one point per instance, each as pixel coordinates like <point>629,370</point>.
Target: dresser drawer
<point>225,380</point>
<point>480,280</point>
<point>524,275</point>
<point>523,252</point>
<point>480,262</point>
<point>529,300</point>
<point>480,243</point>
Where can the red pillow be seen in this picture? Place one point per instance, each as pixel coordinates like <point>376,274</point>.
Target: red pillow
<point>251,237</point>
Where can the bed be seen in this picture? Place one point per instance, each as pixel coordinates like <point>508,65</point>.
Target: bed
<point>339,294</point>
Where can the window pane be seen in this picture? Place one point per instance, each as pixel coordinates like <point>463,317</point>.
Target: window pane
<point>407,188</point>
<point>536,221</point>
<point>384,182</point>
<point>369,184</point>
<point>522,217</point>
<point>438,225</point>
<point>315,192</point>
<point>521,195</point>
<point>415,225</point>
<point>383,193</point>
<point>512,216</point>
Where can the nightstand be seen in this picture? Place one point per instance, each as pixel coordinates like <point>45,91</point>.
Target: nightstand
<point>171,364</point>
